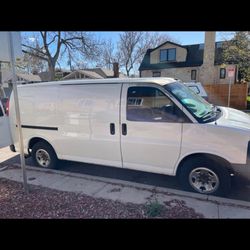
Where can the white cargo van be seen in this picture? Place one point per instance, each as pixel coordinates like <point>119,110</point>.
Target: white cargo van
<point>150,124</point>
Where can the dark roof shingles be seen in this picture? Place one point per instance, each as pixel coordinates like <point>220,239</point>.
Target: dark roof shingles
<point>194,59</point>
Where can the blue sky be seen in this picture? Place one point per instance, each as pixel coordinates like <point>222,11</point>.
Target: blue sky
<point>184,37</point>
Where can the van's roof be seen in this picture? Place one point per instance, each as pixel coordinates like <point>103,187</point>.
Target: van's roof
<point>157,80</point>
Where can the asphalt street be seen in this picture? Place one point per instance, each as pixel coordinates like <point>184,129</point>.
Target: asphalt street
<point>240,188</point>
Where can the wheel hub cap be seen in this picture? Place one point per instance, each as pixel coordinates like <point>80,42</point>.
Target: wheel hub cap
<point>204,180</point>
<point>43,158</point>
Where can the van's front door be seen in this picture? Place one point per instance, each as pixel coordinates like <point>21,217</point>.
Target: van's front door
<point>151,127</point>
<point>5,137</point>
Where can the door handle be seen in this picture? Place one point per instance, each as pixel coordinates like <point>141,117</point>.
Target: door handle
<point>112,128</point>
<point>124,129</point>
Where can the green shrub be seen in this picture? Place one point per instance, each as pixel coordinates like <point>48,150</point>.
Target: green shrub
<point>154,209</point>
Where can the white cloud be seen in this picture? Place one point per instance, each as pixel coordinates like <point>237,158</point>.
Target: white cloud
<point>32,39</point>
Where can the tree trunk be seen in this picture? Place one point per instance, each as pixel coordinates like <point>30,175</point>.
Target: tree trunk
<point>52,71</point>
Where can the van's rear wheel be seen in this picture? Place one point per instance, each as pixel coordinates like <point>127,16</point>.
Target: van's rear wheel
<point>44,155</point>
<point>205,177</point>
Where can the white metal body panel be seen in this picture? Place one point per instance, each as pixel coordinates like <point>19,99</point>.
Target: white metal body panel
<point>85,113</point>
<point>37,108</point>
<point>149,146</point>
<point>5,134</point>
<point>227,138</point>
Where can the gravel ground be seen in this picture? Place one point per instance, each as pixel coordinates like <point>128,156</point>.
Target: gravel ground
<point>43,202</point>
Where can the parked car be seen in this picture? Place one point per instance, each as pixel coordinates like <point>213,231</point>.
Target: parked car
<point>150,124</point>
<point>198,89</point>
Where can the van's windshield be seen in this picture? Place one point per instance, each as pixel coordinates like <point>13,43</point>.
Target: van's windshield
<point>202,110</point>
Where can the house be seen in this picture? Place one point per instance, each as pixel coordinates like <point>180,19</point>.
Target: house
<point>7,77</point>
<point>95,73</point>
<point>82,74</point>
<point>59,74</point>
<point>196,62</point>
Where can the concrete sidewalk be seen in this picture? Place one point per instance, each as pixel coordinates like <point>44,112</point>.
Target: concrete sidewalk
<point>124,191</point>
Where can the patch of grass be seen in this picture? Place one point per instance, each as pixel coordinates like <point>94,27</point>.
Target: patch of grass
<point>154,209</point>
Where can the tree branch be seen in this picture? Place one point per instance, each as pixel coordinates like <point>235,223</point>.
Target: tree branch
<point>38,50</point>
<point>44,37</point>
<point>35,55</point>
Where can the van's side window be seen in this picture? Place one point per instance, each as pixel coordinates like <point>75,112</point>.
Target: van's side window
<point>149,104</point>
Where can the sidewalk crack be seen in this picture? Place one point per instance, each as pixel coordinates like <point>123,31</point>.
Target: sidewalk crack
<point>99,189</point>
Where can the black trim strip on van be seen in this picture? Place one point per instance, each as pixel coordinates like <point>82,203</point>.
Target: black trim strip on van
<point>39,127</point>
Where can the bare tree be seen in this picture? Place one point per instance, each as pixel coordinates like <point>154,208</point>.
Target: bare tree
<point>109,54</point>
<point>51,44</point>
<point>132,47</point>
<point>31,64</point>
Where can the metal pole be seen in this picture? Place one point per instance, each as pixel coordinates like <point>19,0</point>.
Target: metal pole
<point>18,117</point>
<point>229,92</point>
<point>1,83</point>
<point>1,79</point>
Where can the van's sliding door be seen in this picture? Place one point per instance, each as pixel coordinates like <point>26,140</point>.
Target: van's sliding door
<point>89,123</point>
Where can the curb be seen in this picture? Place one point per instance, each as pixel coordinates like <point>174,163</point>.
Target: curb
<point>169,191</point>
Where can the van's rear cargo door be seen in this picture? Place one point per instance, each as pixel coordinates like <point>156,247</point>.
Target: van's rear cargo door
<point>5,136</point>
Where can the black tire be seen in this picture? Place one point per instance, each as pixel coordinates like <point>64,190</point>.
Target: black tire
<point>224,184</point>
<point>49,150</point>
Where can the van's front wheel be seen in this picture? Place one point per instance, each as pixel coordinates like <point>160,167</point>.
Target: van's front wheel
<point>205,176</point>
<point>44,155</point>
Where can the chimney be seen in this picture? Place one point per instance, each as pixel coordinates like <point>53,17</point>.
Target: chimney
<point>209,48</point>
<point>207,71</point>
<point>116,69</point>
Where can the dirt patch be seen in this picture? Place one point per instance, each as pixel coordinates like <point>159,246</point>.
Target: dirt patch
<point>43,202</point>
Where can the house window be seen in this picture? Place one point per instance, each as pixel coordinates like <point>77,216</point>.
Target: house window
<point>167,55</point>
<point>171,54</point>
<point>156,73</point>
<point>163,55</point>
<point>222,73</point>
<point>193,74</point>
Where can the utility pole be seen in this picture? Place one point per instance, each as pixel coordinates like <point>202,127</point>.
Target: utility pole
<point>231,75</point>
<point>18,117</point>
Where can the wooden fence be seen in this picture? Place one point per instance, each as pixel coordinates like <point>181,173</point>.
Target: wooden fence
<point>218,95</point>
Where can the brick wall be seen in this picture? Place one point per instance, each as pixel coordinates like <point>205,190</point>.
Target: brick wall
<point>183,74</point>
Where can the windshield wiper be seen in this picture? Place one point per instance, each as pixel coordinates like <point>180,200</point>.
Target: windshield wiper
<point>211,113</point>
